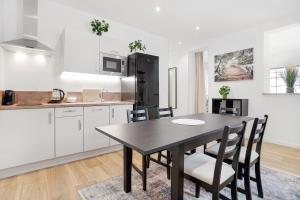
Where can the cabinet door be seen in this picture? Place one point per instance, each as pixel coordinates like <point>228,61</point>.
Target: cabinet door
<point>81,52</point>
<point>95,117</point>
<point>113,46</point>
<point>68,135</point>
<point>26,136</point>
<point>118,115</point>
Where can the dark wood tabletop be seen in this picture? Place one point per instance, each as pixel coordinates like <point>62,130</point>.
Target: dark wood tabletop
<point>155,135</point>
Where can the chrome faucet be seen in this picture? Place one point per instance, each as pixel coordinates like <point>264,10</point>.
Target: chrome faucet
<point>101,94</point>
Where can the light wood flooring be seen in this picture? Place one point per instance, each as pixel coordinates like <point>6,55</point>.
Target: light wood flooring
<point>61,182</point>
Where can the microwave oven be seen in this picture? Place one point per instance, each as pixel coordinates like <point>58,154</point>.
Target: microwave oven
<point>111,64</point>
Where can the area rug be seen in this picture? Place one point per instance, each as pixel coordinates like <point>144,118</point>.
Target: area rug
<point>276,186</point>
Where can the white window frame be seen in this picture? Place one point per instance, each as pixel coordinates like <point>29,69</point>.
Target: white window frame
<point>275,88</point>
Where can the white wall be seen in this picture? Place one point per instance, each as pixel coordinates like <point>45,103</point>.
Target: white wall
<point>284,110</point>
<point>1,19</point>
<point>1,52</point>
<point>179,59</point>
<point>53,18</point>
<point>282,48</point>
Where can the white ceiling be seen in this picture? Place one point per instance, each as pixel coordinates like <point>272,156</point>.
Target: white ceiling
<point>178,18</point>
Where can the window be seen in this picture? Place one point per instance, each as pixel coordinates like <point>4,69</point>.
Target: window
<point>277,85</point>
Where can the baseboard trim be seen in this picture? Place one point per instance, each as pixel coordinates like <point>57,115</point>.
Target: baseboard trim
<point>274,141</point>
<point>5,173</point>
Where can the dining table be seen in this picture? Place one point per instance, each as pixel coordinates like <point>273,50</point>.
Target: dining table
<point>156,135</point>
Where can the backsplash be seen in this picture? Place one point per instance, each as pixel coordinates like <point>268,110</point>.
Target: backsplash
<point>41,97</point>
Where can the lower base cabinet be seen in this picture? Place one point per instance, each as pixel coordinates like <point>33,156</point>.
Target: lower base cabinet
<point>32,135</point>
<point>118,115</point>
<point>68,131</point>
<point>26,136</point>
<point>94,117</point>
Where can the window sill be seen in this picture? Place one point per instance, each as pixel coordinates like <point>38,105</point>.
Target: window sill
<point>281,94</point>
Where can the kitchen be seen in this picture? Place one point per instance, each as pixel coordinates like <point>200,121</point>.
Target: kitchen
<point>84,66</point>
<point>74,112</point>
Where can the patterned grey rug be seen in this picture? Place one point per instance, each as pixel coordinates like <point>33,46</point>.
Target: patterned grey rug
<point>276,185</point>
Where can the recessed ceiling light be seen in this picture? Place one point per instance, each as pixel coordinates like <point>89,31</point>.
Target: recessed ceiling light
<point>179,43</point>
<point>197,28</point>
<point>157,9</point>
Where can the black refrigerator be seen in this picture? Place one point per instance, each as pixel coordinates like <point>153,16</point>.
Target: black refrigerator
<point>142,83</point>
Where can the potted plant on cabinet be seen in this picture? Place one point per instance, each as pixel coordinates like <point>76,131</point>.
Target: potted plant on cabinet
<point>224,91</point>
<point>99,27</point>
<point>289,76</point>
<point>137,46</point>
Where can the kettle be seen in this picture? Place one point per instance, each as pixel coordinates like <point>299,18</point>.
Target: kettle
<point>57,95</point>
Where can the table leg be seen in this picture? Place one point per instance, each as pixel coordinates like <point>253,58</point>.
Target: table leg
<point>127,160</point>
<point>177,172</point>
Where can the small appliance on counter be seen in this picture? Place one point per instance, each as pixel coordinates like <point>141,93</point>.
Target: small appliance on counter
<point>71,99</point>
<point>57,96</point>
<point>8,97</point>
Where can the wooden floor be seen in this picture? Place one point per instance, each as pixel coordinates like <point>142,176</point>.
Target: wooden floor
<point>62,182</point>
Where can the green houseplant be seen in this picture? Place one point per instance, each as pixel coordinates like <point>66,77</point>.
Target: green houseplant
<point>137,45</point>
<point>289,76</point>
<point>224,91</point>
<point>99,27</point>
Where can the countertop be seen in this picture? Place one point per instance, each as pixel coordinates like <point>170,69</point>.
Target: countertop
<point>62,105</point>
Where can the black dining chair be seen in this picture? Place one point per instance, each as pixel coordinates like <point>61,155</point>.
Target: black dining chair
<point>249,157</point>
<point>212,173</point>
<point>163,113</point>
<point>138,116</point>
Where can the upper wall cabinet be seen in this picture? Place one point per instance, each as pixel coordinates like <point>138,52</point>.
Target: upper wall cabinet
<point>81,52</point>
<point>113,46</point>
<point>30,19</point>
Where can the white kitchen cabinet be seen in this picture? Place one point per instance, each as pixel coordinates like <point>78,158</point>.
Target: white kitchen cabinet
<point>118,115</point>
<point>81,52</point>
<point>94,117</point>
<point>68,130</point>
<point>26,136</point>
<point>113,46</point>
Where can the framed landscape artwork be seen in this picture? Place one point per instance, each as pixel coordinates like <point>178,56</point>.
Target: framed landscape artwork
<point>234,66</point>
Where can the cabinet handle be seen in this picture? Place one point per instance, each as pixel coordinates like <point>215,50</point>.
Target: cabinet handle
<point>99,109</point>
<point>113,113</point>
<point>79,125</point>
<point>50,118</point>
<point>70,111</point>
<point>97,66</point>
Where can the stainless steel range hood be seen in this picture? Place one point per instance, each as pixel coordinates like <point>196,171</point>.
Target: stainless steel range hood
<point>27,45</point>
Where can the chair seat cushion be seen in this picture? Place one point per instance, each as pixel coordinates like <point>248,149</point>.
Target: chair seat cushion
<point>164,153</point>
<point>214,149</point>
<point>202,167</point>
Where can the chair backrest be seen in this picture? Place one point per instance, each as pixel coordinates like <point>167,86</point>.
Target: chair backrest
<point>256,137</point>
<point>165,112</point>
<point>137,115</point>
<point>230,146</point>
